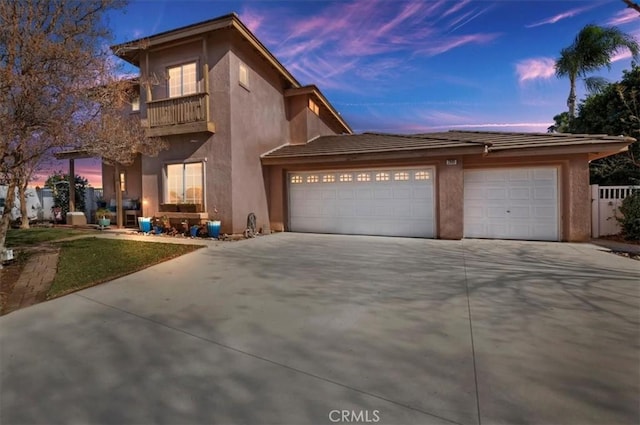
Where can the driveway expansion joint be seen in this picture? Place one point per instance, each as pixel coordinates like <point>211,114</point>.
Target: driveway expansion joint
<point>473,349</point>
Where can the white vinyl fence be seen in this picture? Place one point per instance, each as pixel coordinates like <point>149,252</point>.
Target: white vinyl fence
<point>605,204</point>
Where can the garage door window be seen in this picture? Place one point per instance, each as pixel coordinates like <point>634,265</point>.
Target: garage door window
<point>401,176</point>
<point>312,179</point>
<point>382,177</point>
<point>422,175</point>
<point>296,179</point>
<point>328,178</point>
<point>363,177</point>
<point>346,177</point>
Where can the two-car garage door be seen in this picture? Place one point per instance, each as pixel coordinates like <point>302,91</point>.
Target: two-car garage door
<point>389,202</point>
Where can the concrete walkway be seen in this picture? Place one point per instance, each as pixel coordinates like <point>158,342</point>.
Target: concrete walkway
<point>617,246</point>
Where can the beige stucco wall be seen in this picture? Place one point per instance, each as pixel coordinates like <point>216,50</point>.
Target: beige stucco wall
<point>213,150</point>
<point>258,124</point>
<point>574,194</point>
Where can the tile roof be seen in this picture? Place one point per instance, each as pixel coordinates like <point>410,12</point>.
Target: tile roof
<point>495,141</point>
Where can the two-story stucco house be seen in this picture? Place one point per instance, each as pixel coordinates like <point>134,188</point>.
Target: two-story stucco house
<point>246,137</point>
<point>221,100</point>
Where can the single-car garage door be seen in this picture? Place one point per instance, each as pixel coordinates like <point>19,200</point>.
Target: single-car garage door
<point>515,203</point>
<point>392,202</point>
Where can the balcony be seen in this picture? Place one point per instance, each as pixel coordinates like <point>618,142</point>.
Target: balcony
<point>179,115</point>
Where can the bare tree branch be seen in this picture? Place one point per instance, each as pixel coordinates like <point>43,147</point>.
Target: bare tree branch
<point>632,5</point>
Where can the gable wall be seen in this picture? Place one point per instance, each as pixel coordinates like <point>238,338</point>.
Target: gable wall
<point>258,124</point>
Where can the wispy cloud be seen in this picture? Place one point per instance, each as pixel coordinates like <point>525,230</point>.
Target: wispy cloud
<point>625,53</point>
<point>252,20</point>
<point>560,16</point>
<point>362,37</point>
<point>454,42</point>
<point>535,68</point>
<point>624,17</point>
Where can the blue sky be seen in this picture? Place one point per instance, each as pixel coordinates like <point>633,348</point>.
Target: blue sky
<point>413,66</point>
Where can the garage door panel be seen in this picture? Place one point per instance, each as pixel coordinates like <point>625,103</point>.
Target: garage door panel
<point>519,212</point>
<point>528,209</point>
<point>345,194</point>
<point>386,193</point>
<point>402,193</point>
<point>364,194</point>
<point>388,202</point>
<point>545,174</point>
<point>520,194</point>
<point>544,193</point>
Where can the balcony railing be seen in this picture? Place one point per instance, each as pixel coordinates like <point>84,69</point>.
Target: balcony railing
<point>178,110</point>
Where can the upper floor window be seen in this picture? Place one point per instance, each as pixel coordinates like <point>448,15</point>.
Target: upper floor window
<point>182,80</point>
<point>135,104</point>
<point>243,75</point>
<point>314,107</point>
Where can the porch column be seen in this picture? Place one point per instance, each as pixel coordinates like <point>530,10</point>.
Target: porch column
<point>72,185</point>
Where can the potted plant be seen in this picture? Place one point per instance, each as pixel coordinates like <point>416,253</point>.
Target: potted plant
<point>103,216</point>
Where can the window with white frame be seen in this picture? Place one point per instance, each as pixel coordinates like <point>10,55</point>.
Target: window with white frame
<point>182,80</point>
<point>185,183</point>
<point>135,104</point>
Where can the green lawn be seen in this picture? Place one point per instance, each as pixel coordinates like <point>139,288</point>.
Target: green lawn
<point>89,261</point>
<point>37,235</point>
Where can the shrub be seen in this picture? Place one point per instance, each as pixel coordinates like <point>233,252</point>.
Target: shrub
<point>630,221</point>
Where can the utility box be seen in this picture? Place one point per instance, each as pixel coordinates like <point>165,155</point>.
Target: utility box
<point>76,218</point>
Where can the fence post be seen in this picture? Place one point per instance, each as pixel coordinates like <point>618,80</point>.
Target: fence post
<point>595,211</point>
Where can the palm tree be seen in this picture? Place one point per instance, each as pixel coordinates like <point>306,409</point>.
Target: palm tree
<point>592,49</point>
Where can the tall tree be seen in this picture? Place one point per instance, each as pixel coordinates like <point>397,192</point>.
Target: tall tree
<point>615,111</point>
<point>115,135</point>
<point>51,51</point>
<point>592,49</point>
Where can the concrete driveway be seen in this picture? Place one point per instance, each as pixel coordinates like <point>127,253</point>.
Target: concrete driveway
<point>291,328</point>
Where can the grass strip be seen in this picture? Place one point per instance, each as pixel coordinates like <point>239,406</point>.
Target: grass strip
<point>37,235</point>
<point>90,261</point>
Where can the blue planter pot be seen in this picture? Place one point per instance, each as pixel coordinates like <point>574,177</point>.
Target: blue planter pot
<point>144,223</point>
<point>194,231</point>
<point>213,228</point>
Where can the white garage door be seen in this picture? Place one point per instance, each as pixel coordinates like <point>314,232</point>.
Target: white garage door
<point>517,203</point>
<point>393,202</point>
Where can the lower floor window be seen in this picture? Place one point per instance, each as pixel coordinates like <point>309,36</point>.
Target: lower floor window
<point>185,183</point>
